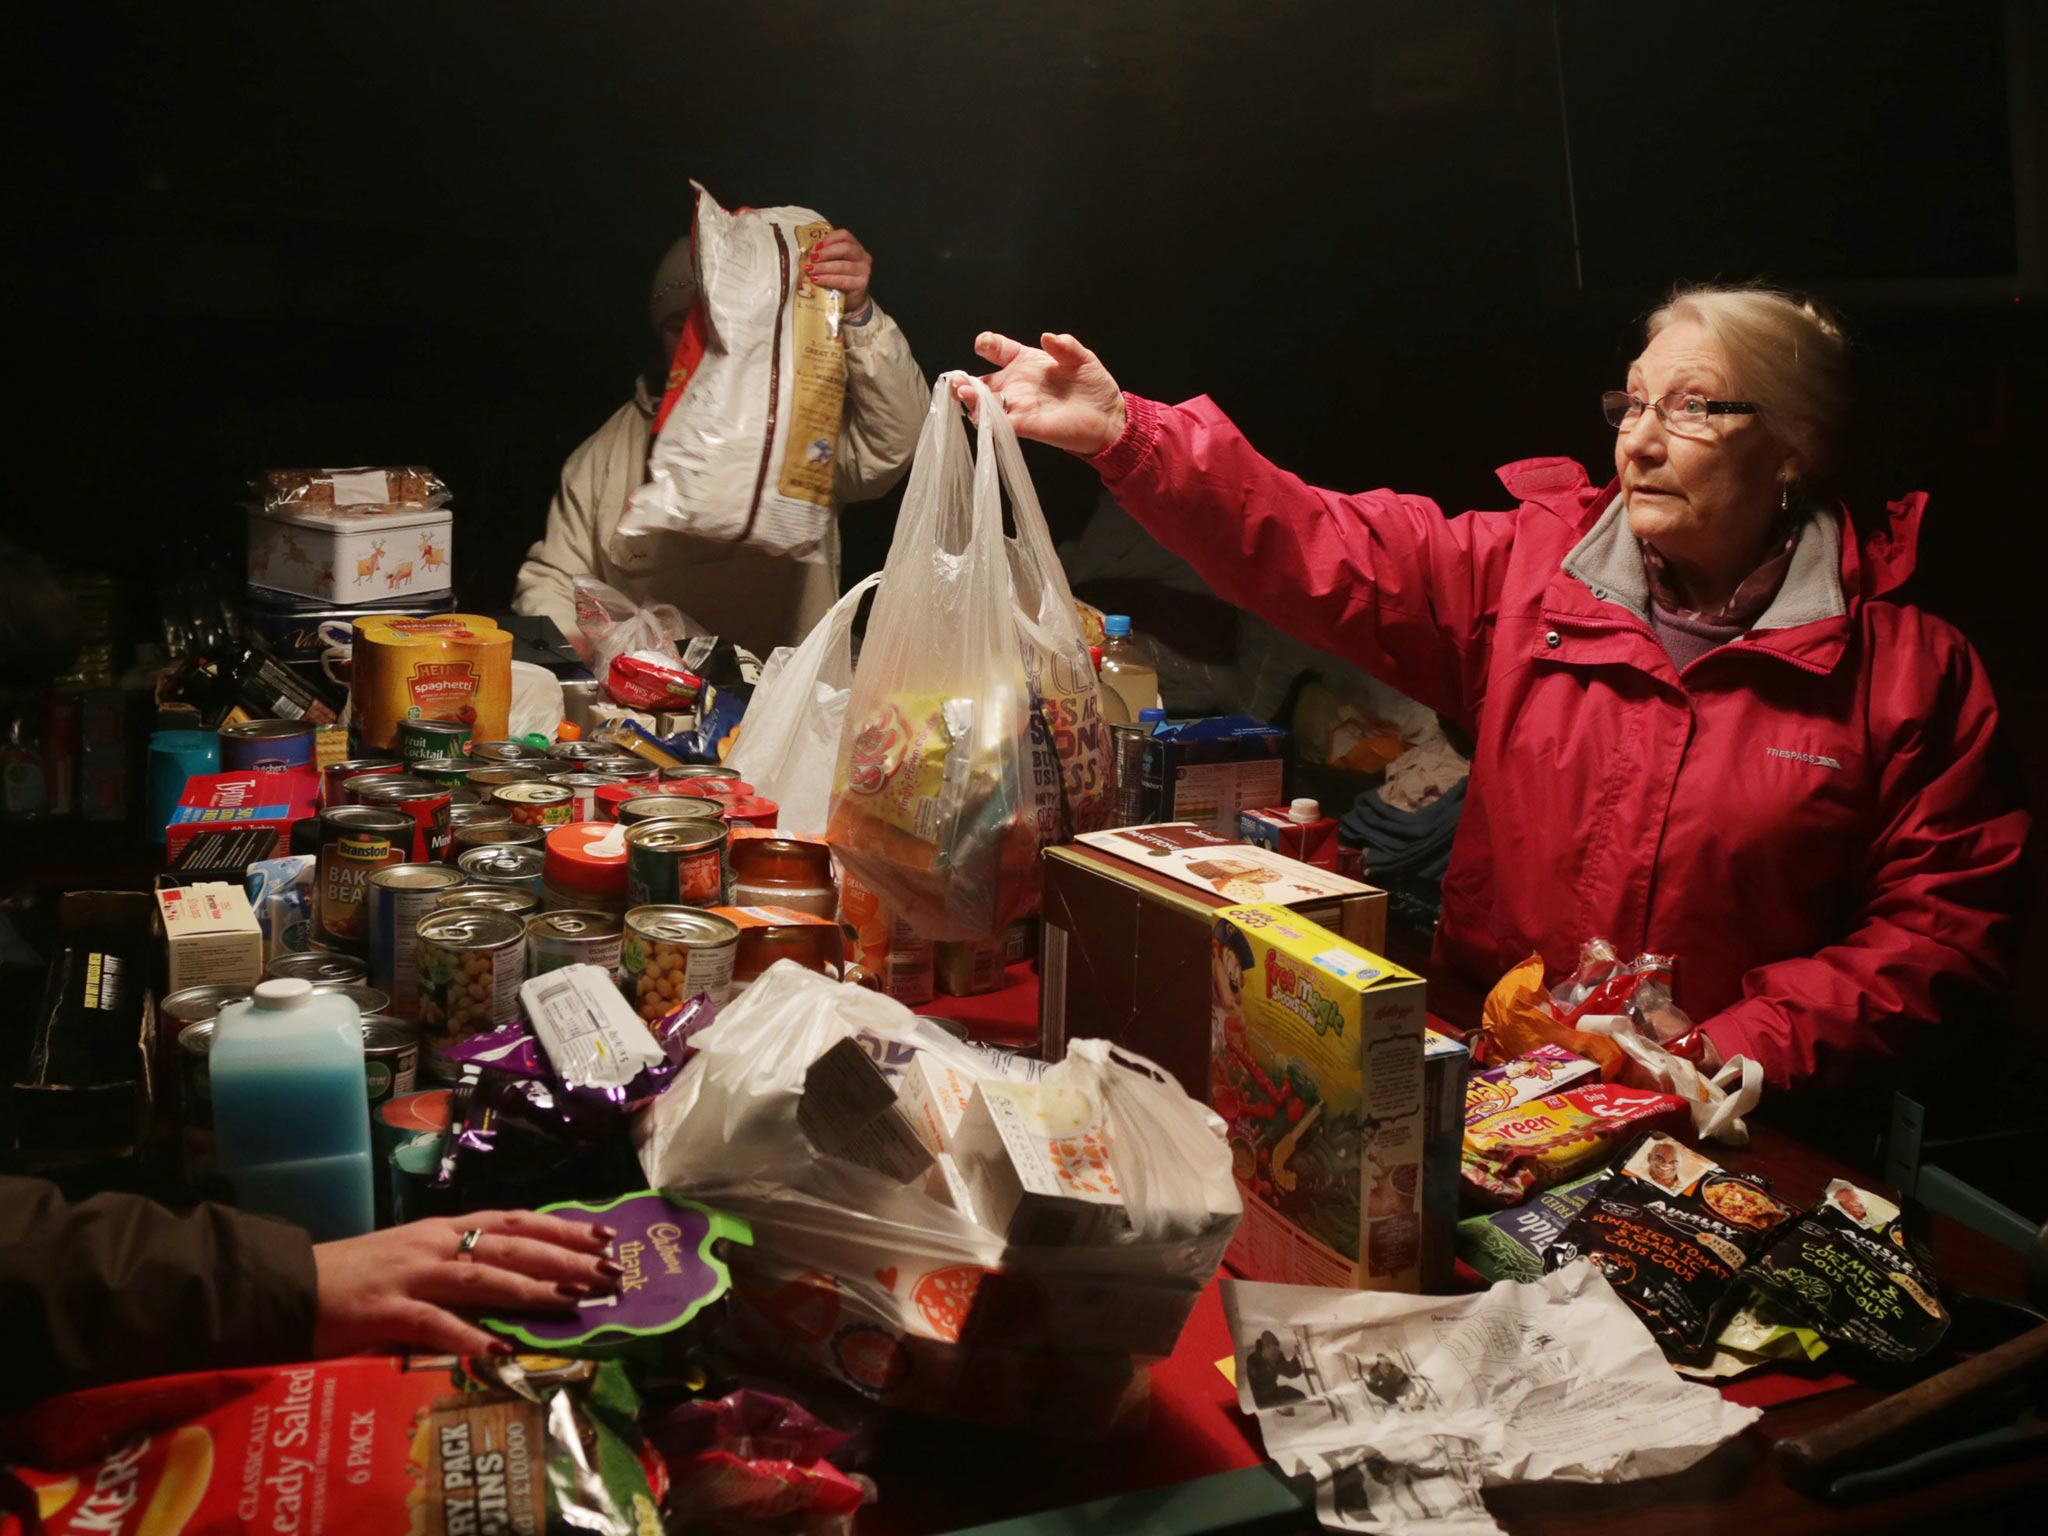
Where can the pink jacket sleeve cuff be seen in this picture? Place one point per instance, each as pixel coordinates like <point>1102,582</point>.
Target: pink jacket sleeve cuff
<point>1142,419</point>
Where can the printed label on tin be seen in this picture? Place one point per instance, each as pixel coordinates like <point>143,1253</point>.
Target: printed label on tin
<point>352,859</point>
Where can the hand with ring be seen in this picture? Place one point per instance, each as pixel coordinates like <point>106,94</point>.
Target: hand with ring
<point>404,1288</point>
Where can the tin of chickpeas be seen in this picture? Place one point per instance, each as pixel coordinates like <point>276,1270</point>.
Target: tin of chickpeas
<point>471,962</point>
<point>674,953</point>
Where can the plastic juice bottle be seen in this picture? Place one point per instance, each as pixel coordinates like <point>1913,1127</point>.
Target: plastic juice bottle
<point>1113,711</point>
<point>290,1108</point>
<point>1126,670</point>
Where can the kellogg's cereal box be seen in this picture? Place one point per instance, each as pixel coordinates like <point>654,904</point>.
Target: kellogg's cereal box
<point>1317,1070</point>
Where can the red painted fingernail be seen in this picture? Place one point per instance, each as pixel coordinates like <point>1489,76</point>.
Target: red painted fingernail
<point>610,1270</point>
<point>572,1291</point>
<point>500,1348</point>
<point>607,1234</point>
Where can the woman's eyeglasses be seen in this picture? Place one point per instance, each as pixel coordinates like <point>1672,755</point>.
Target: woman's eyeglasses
<point>1687,414</point>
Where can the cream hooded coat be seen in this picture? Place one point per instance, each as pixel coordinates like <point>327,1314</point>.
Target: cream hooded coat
<point>759,601</point>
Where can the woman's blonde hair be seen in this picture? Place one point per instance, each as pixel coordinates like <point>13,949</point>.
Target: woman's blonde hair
<point>1785,353</point>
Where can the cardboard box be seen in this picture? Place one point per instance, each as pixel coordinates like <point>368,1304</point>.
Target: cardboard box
<point>83,1097</point>
<point>1446,1064</point>
<point>1206,771</point>
<point>968,969</point>
<point>1039,1166</point>
<point>849,1110</point>
<point>210,935</point>
<point>935,1095</point>
<point>1312,842</point>
<point>1125,953</point>
<point>1320,1078</point>
<point>272,800</point>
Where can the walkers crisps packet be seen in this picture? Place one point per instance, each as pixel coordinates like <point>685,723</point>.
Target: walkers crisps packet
<point>427,1445</point>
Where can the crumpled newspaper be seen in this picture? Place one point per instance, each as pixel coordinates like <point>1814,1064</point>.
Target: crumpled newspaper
<point>1403,1408</point>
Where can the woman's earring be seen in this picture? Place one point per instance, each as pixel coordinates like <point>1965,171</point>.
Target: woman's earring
<point>1784,497</point>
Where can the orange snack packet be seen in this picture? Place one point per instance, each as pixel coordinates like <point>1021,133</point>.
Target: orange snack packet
<point>1516,1018</point>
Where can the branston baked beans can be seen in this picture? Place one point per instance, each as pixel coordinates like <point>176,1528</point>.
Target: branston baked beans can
<point>266,746</point>
<point>556,939</point>
<point>493,834</point>
<point>355,842</point>
<point>667,808</point>
<point>538,804</point>
<point>677,861</point>
<point>505,752</point>
<point>318,965</point>
<point>672,954</point>
<point>517,868</point>
<point>583,788</point>
<point>492,898</point>
<point>471,963</point>
<point>399,897</point>
<point>336,775</point>
<point>427,804</point>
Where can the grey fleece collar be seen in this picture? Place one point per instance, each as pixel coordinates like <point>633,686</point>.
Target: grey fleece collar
<point>1609,563</point>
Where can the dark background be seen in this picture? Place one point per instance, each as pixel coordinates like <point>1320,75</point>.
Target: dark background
<point>383,233</point>
<point>1400,243</point>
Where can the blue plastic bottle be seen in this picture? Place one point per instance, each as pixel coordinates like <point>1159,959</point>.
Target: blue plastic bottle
<point>290,1120</point>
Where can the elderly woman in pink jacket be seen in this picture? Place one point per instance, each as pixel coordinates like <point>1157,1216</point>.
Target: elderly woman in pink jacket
<point>1708,722</point>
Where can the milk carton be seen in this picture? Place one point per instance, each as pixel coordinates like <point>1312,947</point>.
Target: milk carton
<point>1038,1164</point>
<point>1318,1074</point>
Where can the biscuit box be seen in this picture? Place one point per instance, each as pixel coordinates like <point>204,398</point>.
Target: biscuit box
<point>1317,1071</point>
<point>1125,951</point>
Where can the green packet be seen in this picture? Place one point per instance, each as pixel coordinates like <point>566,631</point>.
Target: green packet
<point>670,1251</point>
<point>1509,1244</point>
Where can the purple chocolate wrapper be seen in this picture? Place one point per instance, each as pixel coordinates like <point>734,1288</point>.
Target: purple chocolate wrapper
<point>510,1048</point>
<point>679,1027</point>
<point>667,1249</point>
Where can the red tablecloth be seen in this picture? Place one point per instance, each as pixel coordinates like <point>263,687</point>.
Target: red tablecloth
<point>1193,1428</point>
<point>1007,1018</point>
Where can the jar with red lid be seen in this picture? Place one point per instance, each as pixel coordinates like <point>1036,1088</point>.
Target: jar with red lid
<point>773,870</point>
<point>586,868</point>
<point>752,811</point>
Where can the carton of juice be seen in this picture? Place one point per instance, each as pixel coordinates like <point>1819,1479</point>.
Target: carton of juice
<point>1317,1070</point>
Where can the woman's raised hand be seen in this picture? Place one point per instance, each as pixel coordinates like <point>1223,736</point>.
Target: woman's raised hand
<point>1057,392</point>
